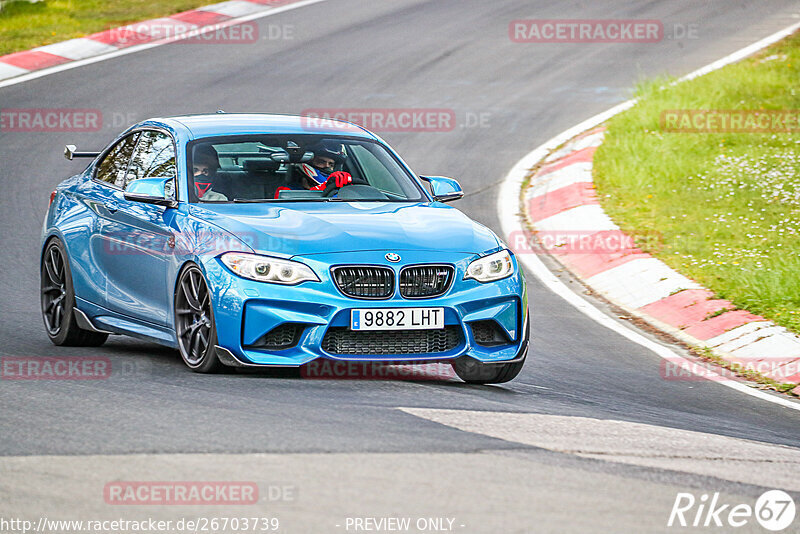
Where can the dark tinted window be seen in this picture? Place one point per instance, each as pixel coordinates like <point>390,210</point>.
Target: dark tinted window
<point>154,157</point>
<point>292,167</point>
<point>114,165</point>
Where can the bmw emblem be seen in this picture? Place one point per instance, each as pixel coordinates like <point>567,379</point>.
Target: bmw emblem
<point>392,257</point>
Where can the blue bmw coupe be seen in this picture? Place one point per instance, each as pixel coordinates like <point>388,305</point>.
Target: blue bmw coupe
<point>252,240</point>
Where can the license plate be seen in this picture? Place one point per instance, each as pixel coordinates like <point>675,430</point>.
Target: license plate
<point>397,319</point>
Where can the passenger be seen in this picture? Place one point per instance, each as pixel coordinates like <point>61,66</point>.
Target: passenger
<point>319,174</point>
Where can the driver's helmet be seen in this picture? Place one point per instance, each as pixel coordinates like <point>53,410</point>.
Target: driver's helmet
<point>325,149</point>
<point>205,156</point>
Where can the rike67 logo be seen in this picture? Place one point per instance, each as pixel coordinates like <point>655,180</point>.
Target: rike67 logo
<point>774,510</point>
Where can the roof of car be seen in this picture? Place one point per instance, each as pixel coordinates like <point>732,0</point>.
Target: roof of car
<point>215,124</point>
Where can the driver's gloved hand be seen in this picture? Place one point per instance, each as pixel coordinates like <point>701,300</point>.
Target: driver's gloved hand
<point>336,180</point>
<point>339,179</point>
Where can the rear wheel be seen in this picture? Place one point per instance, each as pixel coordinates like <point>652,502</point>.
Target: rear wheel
<point>58,300</point>
<point>194,322</point>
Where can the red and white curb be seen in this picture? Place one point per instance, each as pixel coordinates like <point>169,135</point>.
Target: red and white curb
<point>185,25</point>
<point>560,203</point>
<point>560,199</point>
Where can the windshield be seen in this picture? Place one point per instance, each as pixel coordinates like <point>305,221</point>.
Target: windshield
<point>296,168</point>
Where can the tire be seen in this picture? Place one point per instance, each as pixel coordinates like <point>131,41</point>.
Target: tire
<point>57,298</point>
<point>472,371</point>
<point>195,328</point>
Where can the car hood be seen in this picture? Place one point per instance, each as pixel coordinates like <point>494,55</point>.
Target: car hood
<point>303,229</point>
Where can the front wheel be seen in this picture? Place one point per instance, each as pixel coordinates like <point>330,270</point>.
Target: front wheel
<point>194,322</point>
<point>472,371</point>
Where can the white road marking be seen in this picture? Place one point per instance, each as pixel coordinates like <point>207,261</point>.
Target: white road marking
<point>735,459</point>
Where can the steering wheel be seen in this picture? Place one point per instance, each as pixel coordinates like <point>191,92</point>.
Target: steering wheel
<point>331,189</point>
<point>356,192</point>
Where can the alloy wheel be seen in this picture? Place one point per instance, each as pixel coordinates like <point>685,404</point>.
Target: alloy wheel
<point>193,317</point>
<point>54,290</point>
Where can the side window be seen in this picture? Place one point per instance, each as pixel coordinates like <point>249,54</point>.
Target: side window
<point>113,167</point>
<point>154,157</point>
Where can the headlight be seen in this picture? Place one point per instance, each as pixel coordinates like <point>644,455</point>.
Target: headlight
<point>266,269</point>
<point>492,267</point>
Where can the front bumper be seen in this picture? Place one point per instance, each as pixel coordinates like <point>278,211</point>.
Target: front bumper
<point>246,310</point>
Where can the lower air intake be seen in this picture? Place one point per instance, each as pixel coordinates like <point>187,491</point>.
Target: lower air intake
<point>281,337</point>
<point>489,334</point>
<point>380,342</point>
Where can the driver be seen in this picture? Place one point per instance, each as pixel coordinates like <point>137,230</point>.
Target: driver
<point>319,173</point>
<point>205,165</point>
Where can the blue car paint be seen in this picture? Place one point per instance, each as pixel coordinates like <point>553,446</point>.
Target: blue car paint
<point>125,256</point>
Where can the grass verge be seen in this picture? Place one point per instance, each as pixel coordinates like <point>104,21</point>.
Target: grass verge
<point>726,205</point>
<point>25,24</point>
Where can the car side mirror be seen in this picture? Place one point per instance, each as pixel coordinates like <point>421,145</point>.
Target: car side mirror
<point>444,189</point>
<point>150,191</point>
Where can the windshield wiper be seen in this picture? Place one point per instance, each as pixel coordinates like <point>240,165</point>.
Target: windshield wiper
<point>368,200</point>
<point>320,199</point>
<point>256,200</point>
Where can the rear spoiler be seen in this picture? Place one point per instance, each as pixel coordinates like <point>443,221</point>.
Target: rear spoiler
<point>71,151</point>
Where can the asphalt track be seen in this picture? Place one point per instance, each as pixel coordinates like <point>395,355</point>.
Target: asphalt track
<point>347,441</point>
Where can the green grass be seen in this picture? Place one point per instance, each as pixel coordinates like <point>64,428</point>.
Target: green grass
<point>25,25</point>
<point>727,205</point>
